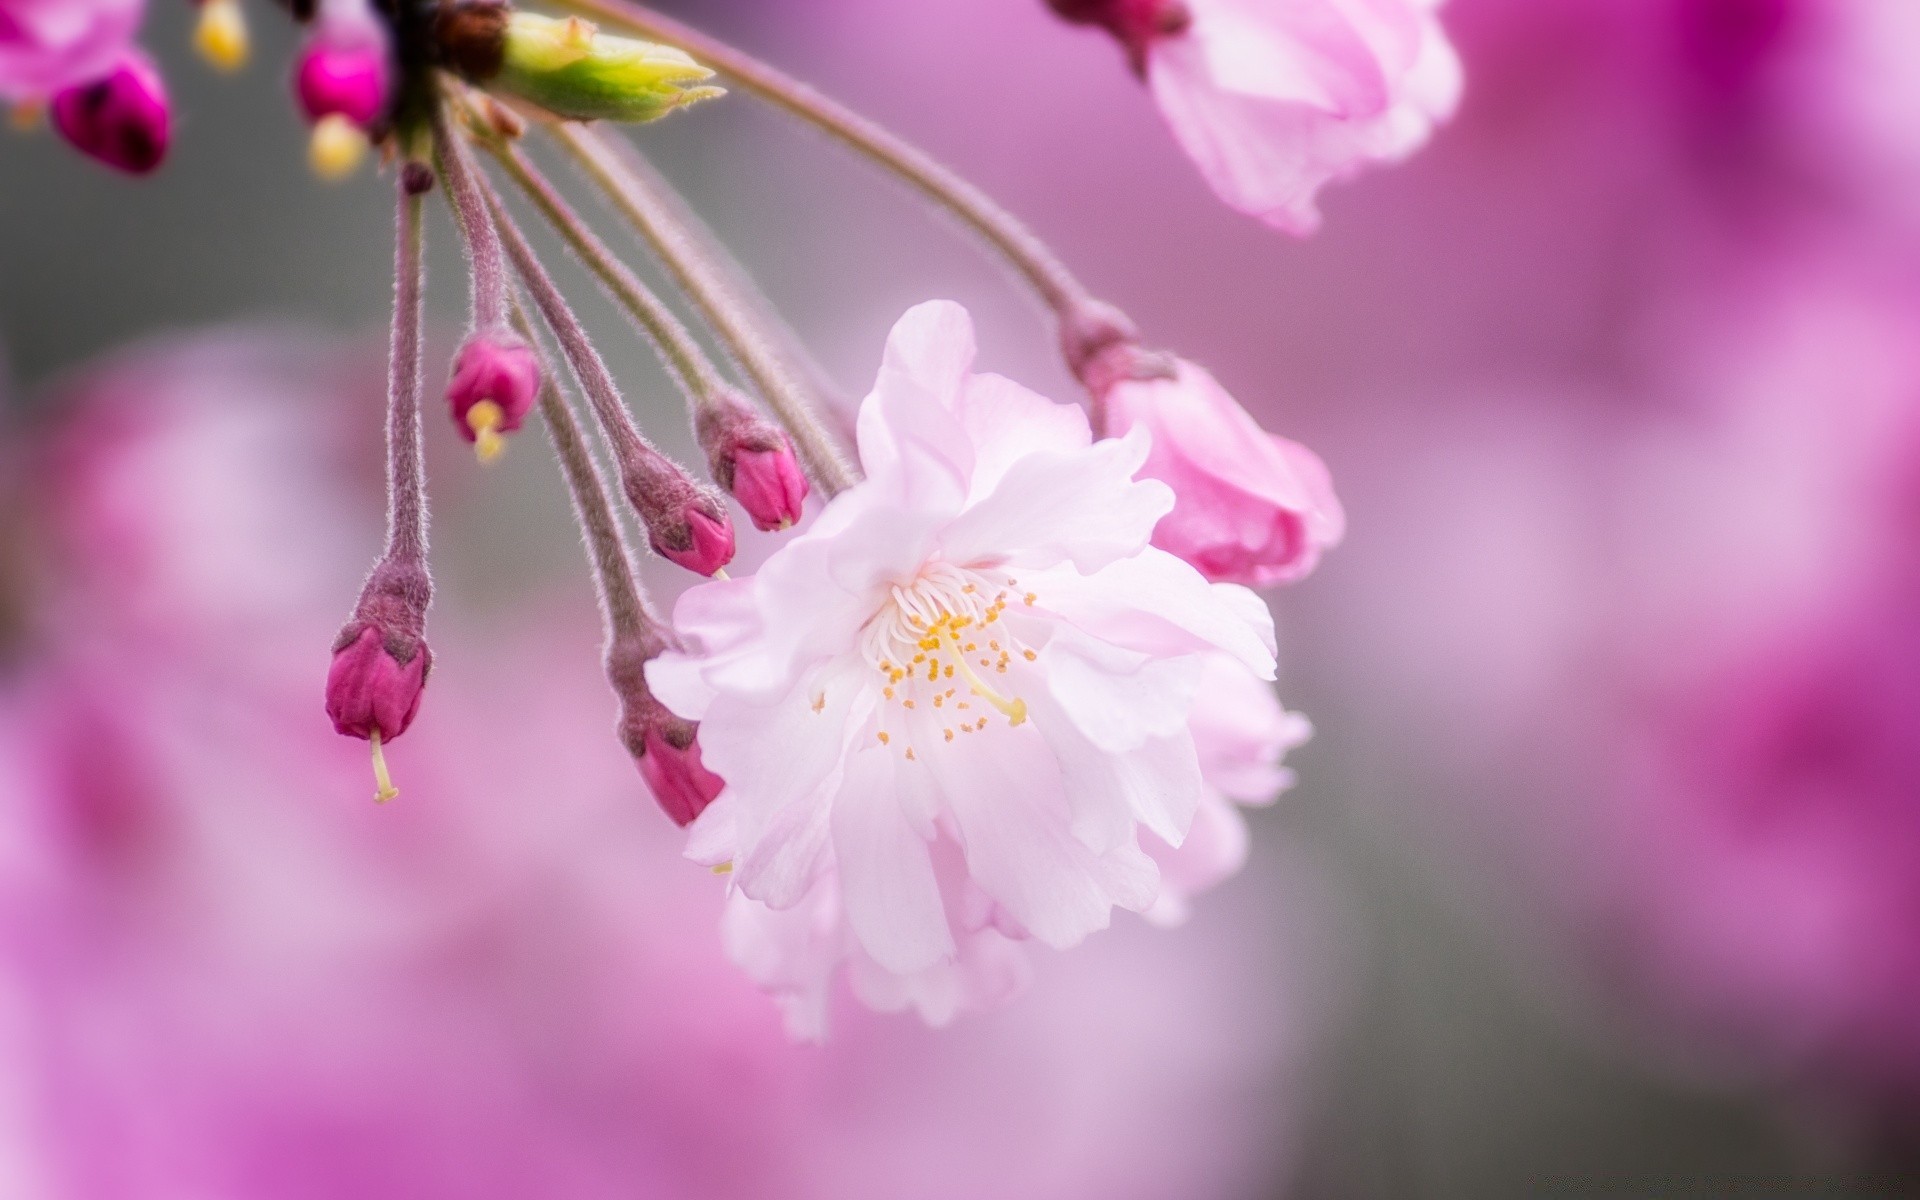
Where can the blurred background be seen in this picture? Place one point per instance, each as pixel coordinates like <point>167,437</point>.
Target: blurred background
<point>1603,871</point>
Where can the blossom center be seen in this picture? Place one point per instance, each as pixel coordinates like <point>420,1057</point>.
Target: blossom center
<point>942,632</point>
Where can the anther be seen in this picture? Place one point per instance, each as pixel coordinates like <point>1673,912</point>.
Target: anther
<point>336,146</point>
<point>220,35</point>
<point>485,419</point>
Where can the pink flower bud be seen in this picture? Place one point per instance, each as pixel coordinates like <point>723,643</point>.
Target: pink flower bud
<point>770,486</point>
<point>121,119</point>
<point>345,78</point>
<point>370,689</point>
<point>381,659</point>
<point>664,746</point>
<point>1136,23</point>
<point>1249,507</point>
<point>751,457</point>
<point>496,379</point>
<point>680,782</point>
<point>686,523</point>
<point>708,545</point>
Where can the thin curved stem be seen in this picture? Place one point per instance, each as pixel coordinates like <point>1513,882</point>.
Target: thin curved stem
<point>1038,265</point>
<point>623,602</point>
<point>653,211</point>
<point>406,459</point>
<point>484,255</point>
<point>696,374</point>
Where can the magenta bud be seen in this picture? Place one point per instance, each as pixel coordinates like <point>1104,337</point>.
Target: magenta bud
<point>349,79</point>
<point>680,782</point>
<point>705,547</point>
<point>686,522</point>
<point>121,119</point>
<point>496,379</point>
<point>665,746</point>
<point>374,685</point>
<point>381,660</point>
<point>770,486</point>
<point>751,458</point>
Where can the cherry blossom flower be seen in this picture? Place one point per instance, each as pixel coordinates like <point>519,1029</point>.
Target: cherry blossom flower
<point>965,689</point>
<point>47,46</point>
<point>1273,99</point>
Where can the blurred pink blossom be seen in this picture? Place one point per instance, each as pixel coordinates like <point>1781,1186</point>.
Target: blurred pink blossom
<point>47,46</point>
<point>1274,100</point>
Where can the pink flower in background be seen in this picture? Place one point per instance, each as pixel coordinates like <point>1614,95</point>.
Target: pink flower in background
<point>966,688</point>
<point>47,46</point>
<point>1274,99</point>
<point>221,977</point>
<point>121,119</point>
<point>1249,507</point>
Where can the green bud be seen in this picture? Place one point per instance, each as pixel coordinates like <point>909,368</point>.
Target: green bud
<point>571,69</point>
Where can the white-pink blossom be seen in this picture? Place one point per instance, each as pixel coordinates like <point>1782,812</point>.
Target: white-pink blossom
<point>947,711</point>
<point>1241,734</point>
<point>1273,99</point>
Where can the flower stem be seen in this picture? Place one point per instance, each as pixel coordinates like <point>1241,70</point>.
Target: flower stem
<point>646,202</point>
<point>406,461</point>
<point>484,255</point>
<point>696,374</point>
<point>623,602</point>
<point>1038,265</point>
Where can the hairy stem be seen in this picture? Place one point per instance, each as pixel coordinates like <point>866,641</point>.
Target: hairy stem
<point>646,202</point>
<point>470,211</point>
<point>623,603</point>
<point>1028,255</point>
<point>683,356</point>
<point>406,461</point>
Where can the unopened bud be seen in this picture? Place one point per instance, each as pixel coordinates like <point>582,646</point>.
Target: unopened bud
<point>349,80</point>
<point>376,682</point>
<point>686,522</point>
<point>381,661</point>
<point>753,460</point>
<point>665,747</point>
<point>121,120</point>
<point>569,68</point>
<point>496,380</point>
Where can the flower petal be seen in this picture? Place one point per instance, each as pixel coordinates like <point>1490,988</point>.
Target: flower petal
<point>892,899</point>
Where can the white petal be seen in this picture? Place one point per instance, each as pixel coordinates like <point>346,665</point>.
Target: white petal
<point>1006,421</point>
<point>1157,604</point>
<point>1004,790</point>
<point>1119,698</point>
<point>886,877</point>
<point>1080,506</point>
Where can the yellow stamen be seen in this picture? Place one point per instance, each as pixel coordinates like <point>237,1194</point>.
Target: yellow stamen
<point>884,738</point>
<point>383,782</point>
<point>1016,709</point>
<point>785,525</point>
<point>336,146</point>
<point>221,34</point>
<point>485,419</point>
<point>725,868</point>
<point>720,573</point>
